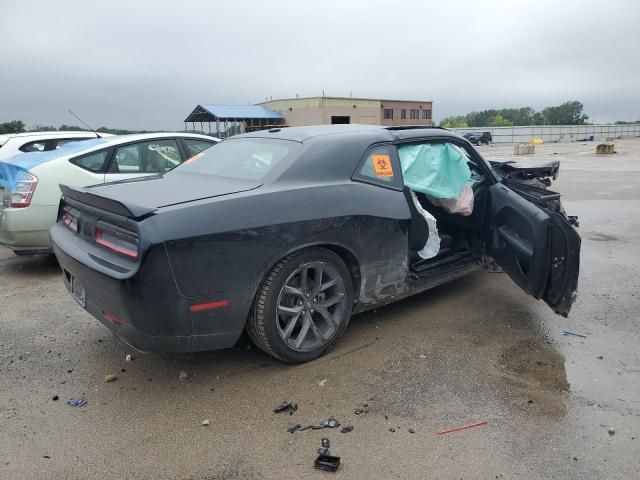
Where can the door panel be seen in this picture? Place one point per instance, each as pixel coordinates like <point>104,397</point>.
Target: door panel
<point>519,240</point>
<point>536,245</point>
<point>562,285</point>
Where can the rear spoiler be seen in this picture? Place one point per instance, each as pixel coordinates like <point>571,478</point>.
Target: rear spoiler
<point>82,195</point>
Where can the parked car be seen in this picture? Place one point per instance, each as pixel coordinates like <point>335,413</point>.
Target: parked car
<point>29,183</point>
<point>15,143</point>
<point>479,138</point>
<point>288,232</point>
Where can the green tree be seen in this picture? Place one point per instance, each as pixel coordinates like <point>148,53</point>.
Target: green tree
<point>569,113</point>
<point>498,121</point>
<point>15,126</point>
<point>454,122</point>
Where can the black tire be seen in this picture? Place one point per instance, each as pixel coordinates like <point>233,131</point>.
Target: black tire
<point>264,324</point>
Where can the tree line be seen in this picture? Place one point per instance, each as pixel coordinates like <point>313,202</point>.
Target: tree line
<point>568,113</point>
<point>18,126</point>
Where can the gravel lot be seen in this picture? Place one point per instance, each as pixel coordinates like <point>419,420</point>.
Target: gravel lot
<point>475,349</point>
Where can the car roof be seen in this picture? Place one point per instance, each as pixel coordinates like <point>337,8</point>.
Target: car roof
<point>134,137</point>
<point>332,152</point>
<point>353,130</point>
<point>49,133</point>
<point>31,160</point>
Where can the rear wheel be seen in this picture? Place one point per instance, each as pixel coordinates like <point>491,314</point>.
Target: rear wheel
<point>303,306</point>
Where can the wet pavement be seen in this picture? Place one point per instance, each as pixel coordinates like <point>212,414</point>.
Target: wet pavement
<point>474,349</point>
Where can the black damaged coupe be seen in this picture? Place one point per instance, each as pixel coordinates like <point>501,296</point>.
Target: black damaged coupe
<point>288,232</point>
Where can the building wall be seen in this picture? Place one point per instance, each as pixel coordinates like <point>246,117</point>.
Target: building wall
<point>398,105</point>
<point>319,110</point>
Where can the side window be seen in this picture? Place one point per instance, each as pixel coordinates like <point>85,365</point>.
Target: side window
<point>380,166</point>
<point>94,162</point>
<point>38,146</point>
<point>156,156</point>
<point>194,146</point>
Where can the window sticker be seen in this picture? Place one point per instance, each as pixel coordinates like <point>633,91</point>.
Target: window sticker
<point>382,165</point>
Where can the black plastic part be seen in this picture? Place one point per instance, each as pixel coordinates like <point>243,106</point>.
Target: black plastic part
<point>328,463</point>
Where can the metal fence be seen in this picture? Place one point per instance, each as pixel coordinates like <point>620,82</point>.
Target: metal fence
<point>556,133</point>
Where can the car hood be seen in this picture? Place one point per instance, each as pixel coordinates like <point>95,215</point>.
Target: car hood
<point>170,189</point>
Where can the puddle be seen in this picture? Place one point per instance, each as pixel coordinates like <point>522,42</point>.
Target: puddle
<point>538,373</point>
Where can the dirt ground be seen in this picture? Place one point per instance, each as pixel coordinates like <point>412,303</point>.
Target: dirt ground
<point>475,349</point>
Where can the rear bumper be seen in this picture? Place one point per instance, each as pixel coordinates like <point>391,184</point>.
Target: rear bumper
<point>26,230</point>
<point>146,311</point>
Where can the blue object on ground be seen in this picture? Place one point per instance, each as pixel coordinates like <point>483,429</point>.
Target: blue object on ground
<point>76,402</point>
<point>567,333</point>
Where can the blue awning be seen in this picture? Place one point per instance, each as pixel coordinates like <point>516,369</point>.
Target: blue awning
<point>212,113</point>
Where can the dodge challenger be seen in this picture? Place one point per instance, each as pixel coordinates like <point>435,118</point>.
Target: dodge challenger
<point>286,233</point>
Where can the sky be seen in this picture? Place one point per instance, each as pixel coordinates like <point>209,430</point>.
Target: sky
<point>142,64</point>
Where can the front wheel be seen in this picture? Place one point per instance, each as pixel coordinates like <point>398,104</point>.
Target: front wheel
<point>303,306</point>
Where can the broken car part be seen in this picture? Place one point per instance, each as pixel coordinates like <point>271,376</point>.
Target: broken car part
<point>286,407</point>
<point>326,461</point>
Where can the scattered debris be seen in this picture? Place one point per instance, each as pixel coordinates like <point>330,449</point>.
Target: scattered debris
<point>55,398</point>
<point>110,378</point>
<point>347,429</point>
<point>362,409</point>
<point>568,333</point>
<point>128,358</point>
<point>322,382</point>
<point>76,402</point>
<point>205,423</point>
<point>286,407</point>
<point>611,431</point>
<point>464,427</point>
<point>183,375</point>
<point>326,461</point>
<point>329,423</point>
<point>411,430</point>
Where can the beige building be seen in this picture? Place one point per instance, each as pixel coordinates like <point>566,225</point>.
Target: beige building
<point>332,110</point>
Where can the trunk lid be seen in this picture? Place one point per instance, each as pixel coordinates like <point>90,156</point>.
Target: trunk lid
<point>139,197</point>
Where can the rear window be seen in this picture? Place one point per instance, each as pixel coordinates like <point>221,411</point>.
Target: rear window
<point>243,158</point>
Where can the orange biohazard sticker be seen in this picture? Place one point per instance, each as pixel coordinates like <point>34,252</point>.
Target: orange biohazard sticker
<point>382,165</point>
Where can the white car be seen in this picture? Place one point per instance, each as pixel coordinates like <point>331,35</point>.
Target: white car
<point>15,143</point>
<point>30,182</point>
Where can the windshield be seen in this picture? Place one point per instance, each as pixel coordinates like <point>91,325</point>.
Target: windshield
<point>243,158</point>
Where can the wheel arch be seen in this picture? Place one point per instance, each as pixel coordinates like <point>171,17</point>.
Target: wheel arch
<point>346,254</point>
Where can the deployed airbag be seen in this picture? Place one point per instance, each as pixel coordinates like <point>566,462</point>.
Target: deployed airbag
<point>432,246</point>
<point>436,169</point>
<point>441,172</point>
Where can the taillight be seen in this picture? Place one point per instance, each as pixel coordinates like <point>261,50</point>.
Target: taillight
<point>69,220</point>
<point>23,192</point>
<point>119,242</point>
